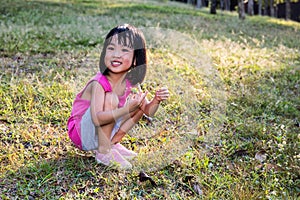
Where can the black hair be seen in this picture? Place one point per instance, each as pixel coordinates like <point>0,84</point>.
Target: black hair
<point>132,37</point>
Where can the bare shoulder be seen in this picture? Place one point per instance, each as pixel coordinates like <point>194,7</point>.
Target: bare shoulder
<point>92,87</point>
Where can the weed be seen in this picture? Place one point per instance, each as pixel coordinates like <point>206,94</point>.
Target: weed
<point>230,129</point>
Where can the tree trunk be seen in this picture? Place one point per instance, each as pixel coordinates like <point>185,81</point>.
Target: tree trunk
<point>265,7</point>
<point>222,4</point>
<point>272,8</point>
<point>227,5</point>
<point>213,7</point>
<point>241,9</point>
<point>250,7</point>
<point>276,11</point>
<point>199,4</point>
<point>259,7</point>
<point>288,9</point>
<point>189,1</point>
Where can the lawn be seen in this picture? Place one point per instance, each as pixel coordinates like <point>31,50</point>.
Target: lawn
<point>230,129</point>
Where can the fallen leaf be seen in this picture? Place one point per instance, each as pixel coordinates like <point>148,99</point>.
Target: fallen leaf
<point>197,189</point>
<point>268,167</point>
<point>145,177</point>
<point>261,156</point>
<point>188,178</point>
<point>240,152</point>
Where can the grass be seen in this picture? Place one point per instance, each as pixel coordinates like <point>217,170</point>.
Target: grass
<point>229,131</point>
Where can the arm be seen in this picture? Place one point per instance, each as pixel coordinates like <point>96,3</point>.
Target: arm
<point>150,108</point>
<point>99,115</point>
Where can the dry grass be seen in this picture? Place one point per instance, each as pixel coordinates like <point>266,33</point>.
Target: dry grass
<point>235,93</point>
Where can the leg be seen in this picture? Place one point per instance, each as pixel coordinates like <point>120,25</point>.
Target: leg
<point>105,154</point>
<point>126,126</point>
<point>104,132</point>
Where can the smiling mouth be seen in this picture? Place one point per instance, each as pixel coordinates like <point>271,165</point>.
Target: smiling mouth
<point>116,63</point>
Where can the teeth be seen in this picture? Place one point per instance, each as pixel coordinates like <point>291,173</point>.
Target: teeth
<point>116,63</point>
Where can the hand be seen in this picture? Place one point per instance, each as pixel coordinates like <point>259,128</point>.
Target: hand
<point>134,101</point>
<point>162,94</point>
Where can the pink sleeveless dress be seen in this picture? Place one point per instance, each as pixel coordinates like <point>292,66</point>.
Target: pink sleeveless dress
<point>81,109</point>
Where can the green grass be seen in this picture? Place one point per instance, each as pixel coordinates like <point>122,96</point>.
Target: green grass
<point>234,95</point>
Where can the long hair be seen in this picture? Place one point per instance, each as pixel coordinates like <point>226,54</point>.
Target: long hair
<point>129,36</point>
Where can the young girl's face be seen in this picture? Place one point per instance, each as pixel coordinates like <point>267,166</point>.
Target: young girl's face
<point>118,58</point>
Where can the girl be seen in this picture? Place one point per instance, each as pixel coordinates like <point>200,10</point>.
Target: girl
<point>106,109</point>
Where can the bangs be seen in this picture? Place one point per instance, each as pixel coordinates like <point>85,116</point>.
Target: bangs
<point>123,36</point>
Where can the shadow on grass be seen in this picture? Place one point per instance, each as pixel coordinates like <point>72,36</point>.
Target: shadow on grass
<point>79,174</point>
<point>71,174</point>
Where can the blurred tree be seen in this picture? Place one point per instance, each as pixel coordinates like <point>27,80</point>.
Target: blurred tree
<point>241,9</point>
<point>225,4</point>
<point>213,7</point>
<point>250,7</point>
<point>287,9</point>
<point>259,7</point>
<point>266,7</point>
<point>199,4</point>
<point>272,11</point>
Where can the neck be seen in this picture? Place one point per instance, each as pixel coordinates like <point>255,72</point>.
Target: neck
<point>116,79</point>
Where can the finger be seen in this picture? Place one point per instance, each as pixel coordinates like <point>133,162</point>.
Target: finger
<point>162,93</point>
<point>165,96</point>
<point>139,87</point>
<point>163,89</point>
<point>144,95</point>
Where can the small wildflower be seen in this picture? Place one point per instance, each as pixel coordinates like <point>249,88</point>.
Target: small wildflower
<point>283,142</point>
<point>280,146</point>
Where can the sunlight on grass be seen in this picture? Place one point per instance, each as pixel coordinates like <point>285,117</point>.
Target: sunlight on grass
<point>230,129</point>
<point>282,22</point>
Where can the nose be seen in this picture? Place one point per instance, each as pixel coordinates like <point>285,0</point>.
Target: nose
<point>116,53</point>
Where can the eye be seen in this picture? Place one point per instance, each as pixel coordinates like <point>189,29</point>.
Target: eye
<point>111,48</point>
<point>126,50</point>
